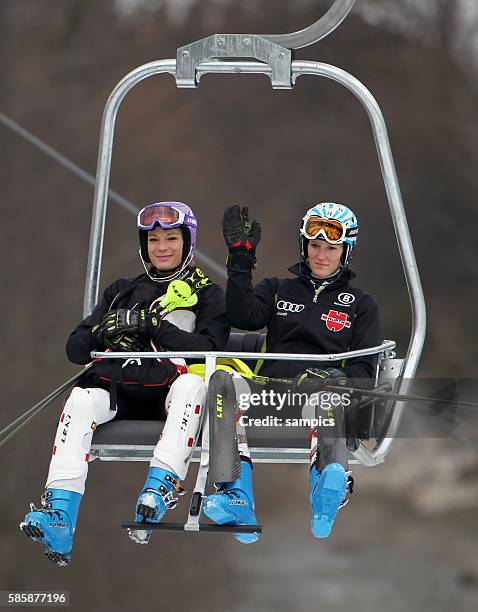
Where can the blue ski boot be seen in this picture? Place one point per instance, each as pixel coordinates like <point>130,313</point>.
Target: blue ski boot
<point>54,524</point>
<point>157,496</point>
<point>233,504</point>
<point>328,489</point>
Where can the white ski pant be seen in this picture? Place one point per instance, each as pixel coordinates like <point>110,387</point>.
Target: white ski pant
<point>85,409</point>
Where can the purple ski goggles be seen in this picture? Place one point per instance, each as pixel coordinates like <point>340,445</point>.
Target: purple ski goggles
<point>167,216</point>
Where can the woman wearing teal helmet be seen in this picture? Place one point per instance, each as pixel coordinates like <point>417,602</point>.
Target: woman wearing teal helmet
<point>316,311</point>
<point>333,223</point>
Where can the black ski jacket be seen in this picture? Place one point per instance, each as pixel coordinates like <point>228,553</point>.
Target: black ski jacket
<point>305,315</point>
<point>211,327</point>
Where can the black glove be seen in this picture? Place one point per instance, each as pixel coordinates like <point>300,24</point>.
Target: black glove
<point>98,336</point>
<point>123,322</point>
<point>241,236</point>
<point>197,280</point>
<point>314,377</point>
<point>125,343</point>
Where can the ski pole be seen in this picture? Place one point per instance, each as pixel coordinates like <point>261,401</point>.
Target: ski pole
<point>401,398</point>
<point>263,380</point>
<point>19,423</point>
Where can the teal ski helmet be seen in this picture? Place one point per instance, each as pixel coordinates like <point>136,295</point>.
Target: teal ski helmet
<point>332,222</point>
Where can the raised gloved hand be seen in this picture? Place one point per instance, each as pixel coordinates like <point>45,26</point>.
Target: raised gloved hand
<point>241,236</point>
<point>317,378</point>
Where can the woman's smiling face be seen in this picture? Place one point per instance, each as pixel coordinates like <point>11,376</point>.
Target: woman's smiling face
<point>165,248</point>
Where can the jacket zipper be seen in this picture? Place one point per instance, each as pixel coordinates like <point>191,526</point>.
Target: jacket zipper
<point>318,291</point>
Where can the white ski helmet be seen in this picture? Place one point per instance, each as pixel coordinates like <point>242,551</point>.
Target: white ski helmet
<point>332,222</point>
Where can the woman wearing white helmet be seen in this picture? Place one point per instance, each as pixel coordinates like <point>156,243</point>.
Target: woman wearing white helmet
<point>173,306</point>
<point>337,226</point>
<point>316,311</point>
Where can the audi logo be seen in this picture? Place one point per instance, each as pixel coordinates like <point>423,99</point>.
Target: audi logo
<point>289,306</point>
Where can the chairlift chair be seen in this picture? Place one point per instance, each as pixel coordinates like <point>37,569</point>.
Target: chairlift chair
<point>272,56</point>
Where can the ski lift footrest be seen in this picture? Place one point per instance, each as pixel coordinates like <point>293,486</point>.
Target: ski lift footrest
<point>202,527</point>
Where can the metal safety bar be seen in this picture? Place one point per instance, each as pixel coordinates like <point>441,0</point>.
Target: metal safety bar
<point>209,355</point>
<point>362,454</point>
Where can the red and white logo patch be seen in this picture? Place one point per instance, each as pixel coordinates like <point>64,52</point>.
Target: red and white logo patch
<point>336,321</point>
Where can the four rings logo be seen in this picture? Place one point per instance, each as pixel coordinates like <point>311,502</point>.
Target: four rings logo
<point>289,306</point>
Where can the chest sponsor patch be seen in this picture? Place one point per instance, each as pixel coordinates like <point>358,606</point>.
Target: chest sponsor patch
<point>289,306</point>
<point>336,321</point>
<point>345,299</point>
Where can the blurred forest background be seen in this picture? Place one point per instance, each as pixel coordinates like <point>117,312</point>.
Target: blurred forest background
<point>408,539</point>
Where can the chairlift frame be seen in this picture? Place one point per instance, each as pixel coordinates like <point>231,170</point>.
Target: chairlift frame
<point>271,56</point>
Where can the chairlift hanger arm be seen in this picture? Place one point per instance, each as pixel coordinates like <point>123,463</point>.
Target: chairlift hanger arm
<point>272,49</point>
<point>317,31</point>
